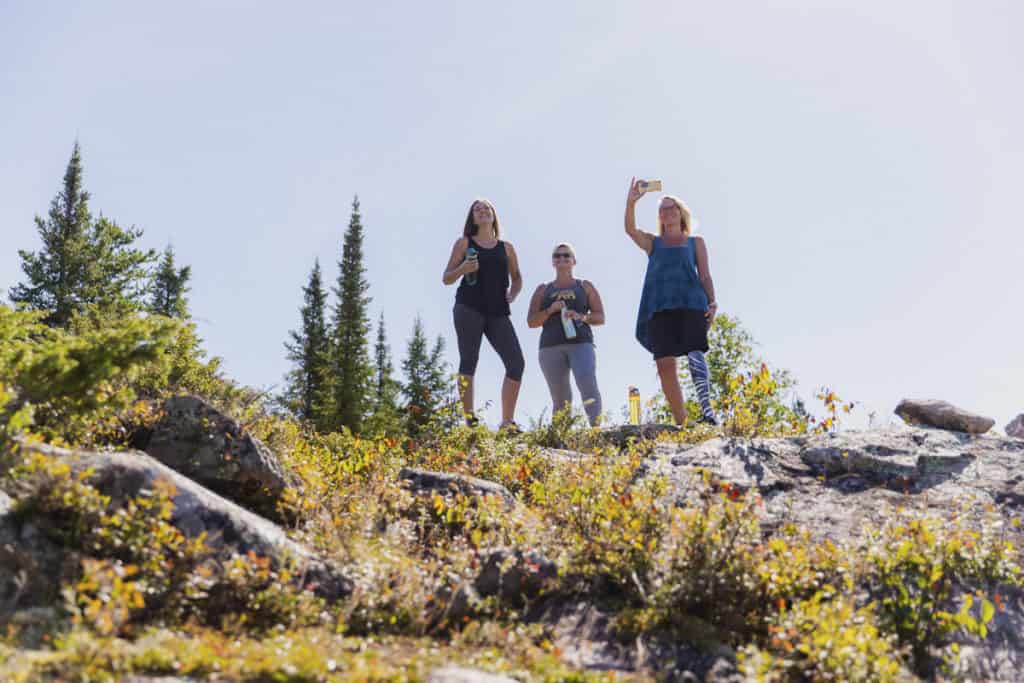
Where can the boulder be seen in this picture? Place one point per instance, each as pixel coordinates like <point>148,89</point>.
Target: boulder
<point>1015,427</point>
<point>229,528</point>
<point>425,481</point>
<point>209,447</point>
<point>930,413</point>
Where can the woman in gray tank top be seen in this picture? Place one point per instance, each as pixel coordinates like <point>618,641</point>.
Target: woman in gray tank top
<point>566,340</point>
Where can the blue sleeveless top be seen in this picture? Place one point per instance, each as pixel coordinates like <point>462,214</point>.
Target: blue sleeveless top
<point>671,282</point>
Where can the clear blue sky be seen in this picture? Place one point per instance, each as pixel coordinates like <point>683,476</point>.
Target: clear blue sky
<point>855,166</point>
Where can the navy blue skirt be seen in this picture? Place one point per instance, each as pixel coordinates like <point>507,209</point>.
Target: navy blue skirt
<point>678,331</point>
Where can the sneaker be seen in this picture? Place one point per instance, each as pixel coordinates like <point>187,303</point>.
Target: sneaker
<point>709,420</point>
<point>472,421</point>
<point>510,428</point>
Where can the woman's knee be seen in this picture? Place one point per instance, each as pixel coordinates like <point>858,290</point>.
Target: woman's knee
<point>515,365</point>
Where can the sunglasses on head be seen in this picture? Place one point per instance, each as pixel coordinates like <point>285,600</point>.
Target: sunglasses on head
<point>561,254</point>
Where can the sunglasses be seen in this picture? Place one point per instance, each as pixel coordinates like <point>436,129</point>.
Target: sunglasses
<point>561,254</point>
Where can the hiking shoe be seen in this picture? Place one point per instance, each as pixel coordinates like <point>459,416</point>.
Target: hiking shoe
<point>510,428</point>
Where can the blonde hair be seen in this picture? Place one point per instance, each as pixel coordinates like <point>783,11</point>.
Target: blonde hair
<point>686,218</point>
<point>567,246</point>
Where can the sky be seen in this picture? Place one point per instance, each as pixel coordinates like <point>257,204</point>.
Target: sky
<point>854,166</point>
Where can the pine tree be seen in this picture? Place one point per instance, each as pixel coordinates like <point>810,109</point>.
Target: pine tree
<point>84,264</point>
<point>308,391</point>
<point>352,372</point>
<point>170,285</point>
<point>426,378</point>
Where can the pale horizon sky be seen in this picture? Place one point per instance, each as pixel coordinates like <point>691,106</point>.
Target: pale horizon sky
<point>854,167</point>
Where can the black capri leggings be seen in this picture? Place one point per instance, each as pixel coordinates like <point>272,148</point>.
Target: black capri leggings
<point>471,326</point>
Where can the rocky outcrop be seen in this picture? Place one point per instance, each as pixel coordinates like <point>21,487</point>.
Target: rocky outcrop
<point>835,485</point>
<point>229,528</point>
<point>213,449</point>
<point>929,413</point>
<point>1015,427</point>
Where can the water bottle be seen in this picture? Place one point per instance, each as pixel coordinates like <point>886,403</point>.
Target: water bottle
<point>568,325</point>
<point>470,278</point>
<point>634,406</point>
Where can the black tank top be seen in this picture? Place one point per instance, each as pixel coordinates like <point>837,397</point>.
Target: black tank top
<point>487,296</point>
<point>575,297</point>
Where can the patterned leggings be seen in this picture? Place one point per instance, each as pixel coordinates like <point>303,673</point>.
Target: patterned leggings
<point>702,380</point>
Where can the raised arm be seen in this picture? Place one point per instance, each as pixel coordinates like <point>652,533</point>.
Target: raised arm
<point>513,273</point>
<point>457,263</point>
<point>704,273</point>
<point>642,239</point>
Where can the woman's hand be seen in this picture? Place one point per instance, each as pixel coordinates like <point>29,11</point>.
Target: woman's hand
<point>711,312</point>
<point>635,191</point>
<point>555,308</point>
<point>469,265</point>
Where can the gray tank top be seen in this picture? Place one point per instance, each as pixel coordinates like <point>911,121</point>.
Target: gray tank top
<point>575,298</point>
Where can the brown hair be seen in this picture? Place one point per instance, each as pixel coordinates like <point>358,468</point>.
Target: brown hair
<point>471,227</point>
<point>686,218</point>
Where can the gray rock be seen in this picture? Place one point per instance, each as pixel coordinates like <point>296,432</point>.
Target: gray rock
<point>457,674</point>
<point>1015,427</point>
<point>213,449</point>
<point>622,435</point>
<point>229,528</point>
<point>930,413</point>
<point>425,481</point>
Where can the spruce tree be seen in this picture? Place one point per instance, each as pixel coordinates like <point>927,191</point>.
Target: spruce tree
<point>170,285</point>
<point>385,418</point>
<point>56,274</point>
<point>84,264</point>
<point>352,372</point>
<point>426,378</point>
<point>308,390</point>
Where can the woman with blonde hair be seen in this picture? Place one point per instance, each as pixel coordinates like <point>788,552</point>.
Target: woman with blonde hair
<point>490,281</point>
<point>677,305</point>
<point>566,308</point>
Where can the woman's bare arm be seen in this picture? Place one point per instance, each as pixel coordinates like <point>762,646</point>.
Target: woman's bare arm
<point>457,263</point>
<point>704,273</point>
<point>513,273</point>
<point>596,314</point>
<point>642,239</point>
<point>538,316</point>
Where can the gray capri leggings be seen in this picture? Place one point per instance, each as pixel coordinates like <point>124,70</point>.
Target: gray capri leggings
<point>557,361</point>
<point>470,328</point>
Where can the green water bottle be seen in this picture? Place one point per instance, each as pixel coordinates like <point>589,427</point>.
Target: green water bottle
<point>470,278</point>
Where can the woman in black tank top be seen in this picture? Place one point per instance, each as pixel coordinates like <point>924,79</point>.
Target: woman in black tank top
<point>490,281</point>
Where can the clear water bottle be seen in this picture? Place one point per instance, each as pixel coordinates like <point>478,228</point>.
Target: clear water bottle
<point>568,324</point>
<point>470,278</point>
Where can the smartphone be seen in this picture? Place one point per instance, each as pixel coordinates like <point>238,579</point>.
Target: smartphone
<point>650,185</point>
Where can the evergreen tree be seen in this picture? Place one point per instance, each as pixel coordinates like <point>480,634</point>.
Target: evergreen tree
<point>385,417</point>
<point>83,264</point>
<point>56,274</point>
<point>308,390</point>
<point>170,285</point>
<point>426,378</point>
<point>352,371</point>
